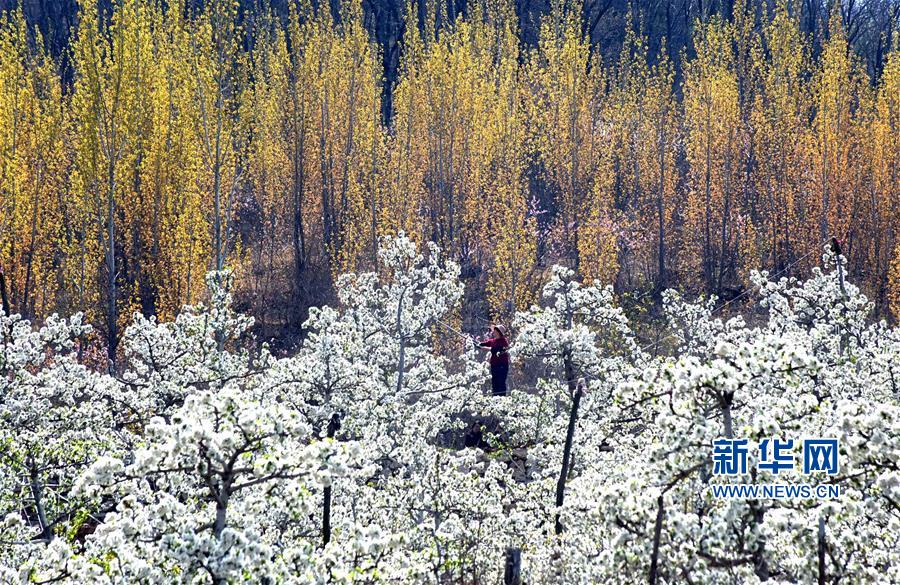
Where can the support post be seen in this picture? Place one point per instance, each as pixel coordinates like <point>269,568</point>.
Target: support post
<point>4,300</point>
<point>657,537</point>
<point>512,568</point>
<point>333,425</point>
<point>821,551</point>
<point>567,451</point>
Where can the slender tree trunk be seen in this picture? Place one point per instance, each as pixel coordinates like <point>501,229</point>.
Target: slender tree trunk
<point>577,390</point>
<point>657,537</point>
<point>512,567</point>
<point>661,210</point>
<point>723,243</point>
<point>326,496</point>
<point>37,493</point>
<point>826,202</point>
<point>299,184</point>
<point>707,244</point>
<point>4,299</point>
<point>112,316</point>
<point>345,172</point>
<point>327,211</point>
<point>401,361</point>
<point>573,178</point>
<point>217,210</point>
<point>29,264</point>
<point>373,193</point>
<point>821,552</point>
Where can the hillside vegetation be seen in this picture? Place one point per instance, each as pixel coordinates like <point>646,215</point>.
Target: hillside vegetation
<point>170,139</point>
<point>207,460</point>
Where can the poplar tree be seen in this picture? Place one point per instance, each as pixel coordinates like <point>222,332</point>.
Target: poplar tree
<point>111,59</point>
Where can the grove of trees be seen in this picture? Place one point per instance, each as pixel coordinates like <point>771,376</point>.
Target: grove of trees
<point>205,459</point>
<point>173,138</point>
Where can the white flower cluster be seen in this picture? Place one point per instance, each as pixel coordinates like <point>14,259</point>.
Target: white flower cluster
<point>205,459</point>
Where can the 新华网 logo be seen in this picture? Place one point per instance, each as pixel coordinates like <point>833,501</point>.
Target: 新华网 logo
<point>818,455</point>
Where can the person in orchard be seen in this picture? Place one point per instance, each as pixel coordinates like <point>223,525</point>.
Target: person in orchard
<point>498,345</point>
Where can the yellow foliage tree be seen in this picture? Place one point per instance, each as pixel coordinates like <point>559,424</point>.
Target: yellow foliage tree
<point>780,111</point>
<point>835,153</point>
<point>188,142</point>
<point>712,119</point>
<point>565,107</point>
<point>33,169</point>
<point>460,91</point>
<point>883,154</point>
<point>267,161</point>
<point>177,243</point>
<point>216,67</point>
<point>111,59</point>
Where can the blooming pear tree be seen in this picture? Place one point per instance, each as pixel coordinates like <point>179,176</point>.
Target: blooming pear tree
<point>199,350</point>
<point>198,496</point>
<point>204,459</point>
<point>374,365</point>
<point>585,338</point>
<point>659,521</point>
<point>53,420</point>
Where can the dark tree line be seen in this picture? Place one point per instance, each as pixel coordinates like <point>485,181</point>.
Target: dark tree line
<point>666,24</point>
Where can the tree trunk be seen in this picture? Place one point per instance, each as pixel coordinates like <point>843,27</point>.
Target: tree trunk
<point>657,536</point>
<point>760,565</point>
<point>111,309</point>
<point>37,493</point>
<point>4,300</point>
<point>326,496</point>
<point>29,263</point>
<point>707,235</point>
<point>570,436</point>
<point>217,212</point>
<point>661,212</point>
<point>726,402</point>
<point>512,568</point>
<point>221,515</point>
<point>821,551</point>
<point>299,183</point>
<point>826,202</point>
<point>401,360</point>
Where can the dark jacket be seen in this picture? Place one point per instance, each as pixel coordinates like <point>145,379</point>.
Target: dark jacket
<point>499,350</point>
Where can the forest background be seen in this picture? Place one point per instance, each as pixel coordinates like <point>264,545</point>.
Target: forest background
<point>647,144</point>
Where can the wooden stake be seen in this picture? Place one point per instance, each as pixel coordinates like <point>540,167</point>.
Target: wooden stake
<point>512,568</point>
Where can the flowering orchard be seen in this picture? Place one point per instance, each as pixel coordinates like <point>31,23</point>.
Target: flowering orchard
<point>204,458</point>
